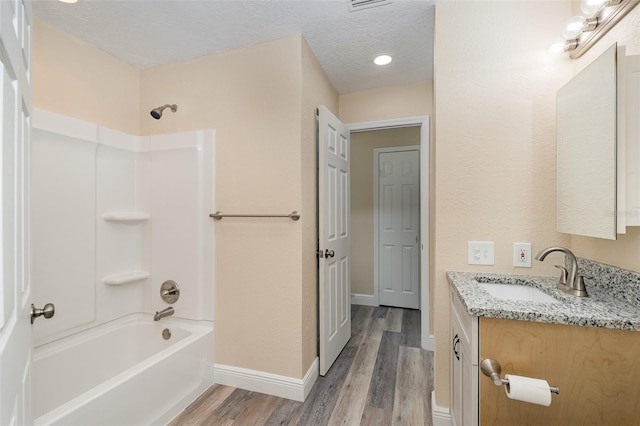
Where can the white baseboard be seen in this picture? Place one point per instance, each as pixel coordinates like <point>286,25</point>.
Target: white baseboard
<point>268,383</point>
<point>364,299</point>
<point>430,344</point>
<point>440,415</point>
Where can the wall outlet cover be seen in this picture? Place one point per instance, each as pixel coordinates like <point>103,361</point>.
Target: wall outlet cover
<point>522,255</point>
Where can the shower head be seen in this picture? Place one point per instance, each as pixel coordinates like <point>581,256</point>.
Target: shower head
<point>157,112</point>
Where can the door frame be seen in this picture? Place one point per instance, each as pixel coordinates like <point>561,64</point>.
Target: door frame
<point>427,340</point>
<point>376,215</point>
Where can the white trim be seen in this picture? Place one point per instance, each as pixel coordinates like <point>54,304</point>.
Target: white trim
<point>431,343</point>
<point>364,299</point>
<point>440,416</point>
<point>72,127</point>
<point>267,383</point>
<point>64,125</point>
<point>389,124</point>
<point>376,210</point>
<point>423,122</point>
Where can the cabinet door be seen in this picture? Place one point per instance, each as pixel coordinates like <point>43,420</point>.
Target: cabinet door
<point>599,381</point>
<point>469,389</point>
<point>456,373</point>
<point>464,366</point>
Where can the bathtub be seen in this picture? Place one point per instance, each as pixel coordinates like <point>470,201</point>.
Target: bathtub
<point>122,373</point>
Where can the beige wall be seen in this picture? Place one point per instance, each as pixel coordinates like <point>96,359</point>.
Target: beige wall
<point>316,90</point>
<point>362,181</point>
<point>625,251</point>
<point>75,79</point>
<point>386,103</point>
<point>255,98</point>
<point>495,141</point>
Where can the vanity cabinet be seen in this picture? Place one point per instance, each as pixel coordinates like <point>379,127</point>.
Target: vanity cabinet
<point>596,370</point>
<point>464,365</point>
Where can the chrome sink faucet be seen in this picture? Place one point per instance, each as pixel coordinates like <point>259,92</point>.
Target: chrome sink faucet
<point>163,313</point>
<point>570,280</point>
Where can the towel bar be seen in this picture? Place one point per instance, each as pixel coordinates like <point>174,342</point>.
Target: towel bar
<point>294,215</point>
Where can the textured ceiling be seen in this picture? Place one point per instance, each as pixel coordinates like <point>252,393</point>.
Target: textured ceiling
<point>146,33</point>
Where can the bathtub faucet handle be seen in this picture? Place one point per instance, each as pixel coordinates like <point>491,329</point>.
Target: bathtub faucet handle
<point>169,291</point>
<point>48,311</point>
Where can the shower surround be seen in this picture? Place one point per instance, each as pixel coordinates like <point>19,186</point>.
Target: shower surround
<point>114,216</point>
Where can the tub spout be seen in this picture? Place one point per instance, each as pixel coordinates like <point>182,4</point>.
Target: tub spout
<point>163,313</point>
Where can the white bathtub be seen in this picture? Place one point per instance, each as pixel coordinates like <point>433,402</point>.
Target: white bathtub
<point>122,373</point>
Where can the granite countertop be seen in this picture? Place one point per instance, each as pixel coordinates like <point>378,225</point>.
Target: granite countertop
<point>603,308</point>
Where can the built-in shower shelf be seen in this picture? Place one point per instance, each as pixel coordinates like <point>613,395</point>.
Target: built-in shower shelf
<point>125,277</point>
<point>128,217</point>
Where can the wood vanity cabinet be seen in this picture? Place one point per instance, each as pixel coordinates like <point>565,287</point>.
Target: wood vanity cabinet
<point>596,369</point>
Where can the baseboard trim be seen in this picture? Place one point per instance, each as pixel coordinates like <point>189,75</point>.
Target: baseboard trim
<point>430,343</point>
<point>364,299</point>
<point>439,415</point>
<point>267,383</point>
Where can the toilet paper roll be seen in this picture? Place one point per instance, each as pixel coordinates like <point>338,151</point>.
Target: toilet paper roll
<point>527,389</point>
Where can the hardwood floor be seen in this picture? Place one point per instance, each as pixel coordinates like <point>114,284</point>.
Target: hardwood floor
<point>382,377</point>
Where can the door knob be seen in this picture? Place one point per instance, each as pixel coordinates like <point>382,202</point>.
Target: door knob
<point>48,311</point>
<point>329,253</point>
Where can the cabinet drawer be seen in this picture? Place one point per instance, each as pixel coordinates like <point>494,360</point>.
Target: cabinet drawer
<point>468,326</point>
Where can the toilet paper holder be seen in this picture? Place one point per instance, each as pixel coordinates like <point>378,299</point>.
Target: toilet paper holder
<point>491,368</point>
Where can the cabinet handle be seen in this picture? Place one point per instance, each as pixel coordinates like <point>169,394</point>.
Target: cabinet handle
<point>456,341</point>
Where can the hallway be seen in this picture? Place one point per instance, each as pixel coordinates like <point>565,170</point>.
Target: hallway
<point>382,377</point>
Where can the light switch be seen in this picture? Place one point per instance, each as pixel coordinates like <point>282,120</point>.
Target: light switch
<point>480,253</point>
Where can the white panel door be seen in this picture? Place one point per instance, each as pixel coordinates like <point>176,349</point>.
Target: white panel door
<point>15,294</point>
<point>399,227</point>
<point>334,238</point>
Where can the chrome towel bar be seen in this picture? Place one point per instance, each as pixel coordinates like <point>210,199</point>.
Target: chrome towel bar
<point>219,215</point>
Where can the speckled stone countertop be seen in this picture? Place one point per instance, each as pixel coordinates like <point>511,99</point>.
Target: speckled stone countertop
<point>613,301</point>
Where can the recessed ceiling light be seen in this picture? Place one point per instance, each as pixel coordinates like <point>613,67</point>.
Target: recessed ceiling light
<point>69,1</point>
<point>382,60</point>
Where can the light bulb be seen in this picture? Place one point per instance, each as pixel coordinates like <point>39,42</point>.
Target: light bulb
<point>562,46</point>
<point>574,27</point>
<point>556,48</point>
<point>590,7</point>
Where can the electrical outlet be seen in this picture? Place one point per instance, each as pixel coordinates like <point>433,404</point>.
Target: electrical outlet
<point>522,255</point>
<point>480,253</point>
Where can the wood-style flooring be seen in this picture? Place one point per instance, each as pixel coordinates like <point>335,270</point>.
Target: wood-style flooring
<point>382,377</point>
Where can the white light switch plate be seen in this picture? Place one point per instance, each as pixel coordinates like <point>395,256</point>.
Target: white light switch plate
<point>480,253</point>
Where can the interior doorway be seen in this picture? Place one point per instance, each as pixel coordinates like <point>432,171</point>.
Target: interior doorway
<point>392,133</point>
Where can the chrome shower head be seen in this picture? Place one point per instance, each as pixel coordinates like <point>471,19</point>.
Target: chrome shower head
<point>157,112</point>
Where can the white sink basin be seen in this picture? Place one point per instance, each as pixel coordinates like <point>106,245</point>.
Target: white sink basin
<point>517,292</point>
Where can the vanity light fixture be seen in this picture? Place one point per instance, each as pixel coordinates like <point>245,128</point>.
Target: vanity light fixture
<point>591,7</point>
<point>575,26</point>
<point>581,33</point>
<point>382,60</point>
<point>562,46</point>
